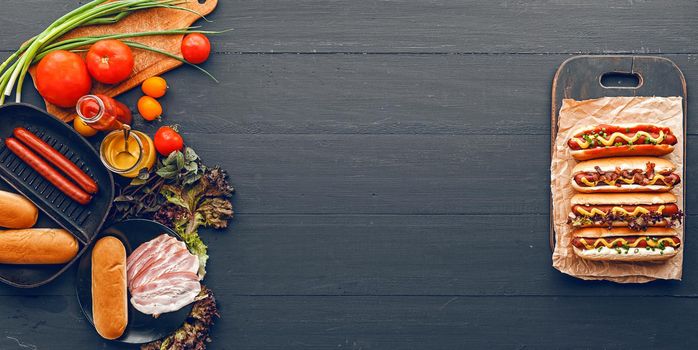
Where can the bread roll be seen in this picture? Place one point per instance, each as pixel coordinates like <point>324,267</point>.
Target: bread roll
<point>598,232</point>
<point>109,305</point>
<point>610,164</point>
<point>16,211</point>
<point>621,189</point>
<point>624,163</point>
<point>634,255</point>
<point>622,151</point>
<point>623,198</point>
<point>37,246</point>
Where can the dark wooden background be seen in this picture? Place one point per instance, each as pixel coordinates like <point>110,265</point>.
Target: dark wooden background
<point>391,166</point>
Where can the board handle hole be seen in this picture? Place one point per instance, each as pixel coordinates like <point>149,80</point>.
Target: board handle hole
<point>620,80</point>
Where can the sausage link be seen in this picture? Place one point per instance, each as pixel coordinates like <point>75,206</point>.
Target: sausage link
<point>57,159</point>
<point>47,172</point>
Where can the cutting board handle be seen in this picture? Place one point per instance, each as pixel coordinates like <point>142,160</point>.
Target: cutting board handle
<point>621,80</point>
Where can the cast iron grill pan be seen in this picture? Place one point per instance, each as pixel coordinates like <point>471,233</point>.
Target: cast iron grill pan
<point>83,221</point>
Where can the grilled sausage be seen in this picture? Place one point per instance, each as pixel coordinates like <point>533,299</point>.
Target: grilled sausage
<point>57,159</point>
<point>47,172</point>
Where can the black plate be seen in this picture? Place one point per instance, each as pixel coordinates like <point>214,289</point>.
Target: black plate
<point>141,328</point>
<point>57,210</point>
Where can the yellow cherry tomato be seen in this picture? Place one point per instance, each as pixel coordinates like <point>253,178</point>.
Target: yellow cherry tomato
<point>82,128</point>
<point>154,87</point>
<point>149,108</point>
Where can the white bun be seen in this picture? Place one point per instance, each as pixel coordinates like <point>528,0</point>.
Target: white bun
<point>629,163</point>
<point>622,198</point>
<point>621,189</point>
<point>599,232</point>
<point>612,255</point>
<point>587,128</point>
<point>661,223</point>
<point>622,151</point>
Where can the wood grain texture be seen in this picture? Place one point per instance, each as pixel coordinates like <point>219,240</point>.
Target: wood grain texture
<point>146,63</point>
<point>360,177</point>
<point>310,225</point>
<point>449,26</point>
<point>404,322</point>
<point>369,94</point>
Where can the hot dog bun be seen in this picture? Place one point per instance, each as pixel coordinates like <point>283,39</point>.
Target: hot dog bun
<point>109,298</point>
<point>16,211</point>
<point>624,163</point>
<point>600,232</point>
<point>610,164</point>
<point>37,246</point>
<point>612,150</point>
<point>623,189</point>
<point>622,198</point>
<point>622,151</point>
<point>631,254</point>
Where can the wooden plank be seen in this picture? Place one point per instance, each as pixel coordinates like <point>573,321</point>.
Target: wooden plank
<point>455,323</point>
<point>471,255</point>
<point>392,255</point>
<point>419,26</point>
<point>387,174</point>
<point>369,94</point>
<point>382,174</point>
<point>373,94</point>
<point>387,323</point>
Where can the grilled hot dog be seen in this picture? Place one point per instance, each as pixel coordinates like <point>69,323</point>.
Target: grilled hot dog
<point>47,172</point>
<point>637,211</point>
<point>603,141</point>
<point>624,174</point>
<point>57,159</point>
<point>623,244</point>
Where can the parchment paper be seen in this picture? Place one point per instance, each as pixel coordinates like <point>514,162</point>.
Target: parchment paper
<point>665,111</point>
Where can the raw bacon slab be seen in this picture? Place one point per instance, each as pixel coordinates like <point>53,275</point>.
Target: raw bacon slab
<point>162,276</point>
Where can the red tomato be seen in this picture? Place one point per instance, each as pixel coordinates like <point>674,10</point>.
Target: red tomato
<point>109,61</point>
<point>196,48</point>
<point>168,140</point>
<point>62,78</point>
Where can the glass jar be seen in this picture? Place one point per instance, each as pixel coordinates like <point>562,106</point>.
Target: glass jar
<point>127,157</point>
<point>103,113</point>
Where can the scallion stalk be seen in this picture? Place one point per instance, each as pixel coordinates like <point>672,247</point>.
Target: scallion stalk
<point>14,69</point>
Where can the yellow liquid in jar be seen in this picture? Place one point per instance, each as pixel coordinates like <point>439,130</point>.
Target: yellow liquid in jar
<point>122,156</point>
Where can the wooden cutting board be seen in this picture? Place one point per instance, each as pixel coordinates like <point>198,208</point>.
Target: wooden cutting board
<point>147,63</point>
<point>581,77</point>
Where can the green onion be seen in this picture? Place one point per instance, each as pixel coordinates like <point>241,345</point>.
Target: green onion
<point>72,44</point>
<point>14,68</point>
<point>145,47</point>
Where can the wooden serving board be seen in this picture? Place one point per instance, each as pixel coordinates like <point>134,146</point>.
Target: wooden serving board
<point>580,78</point>
<point>147,63</point>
